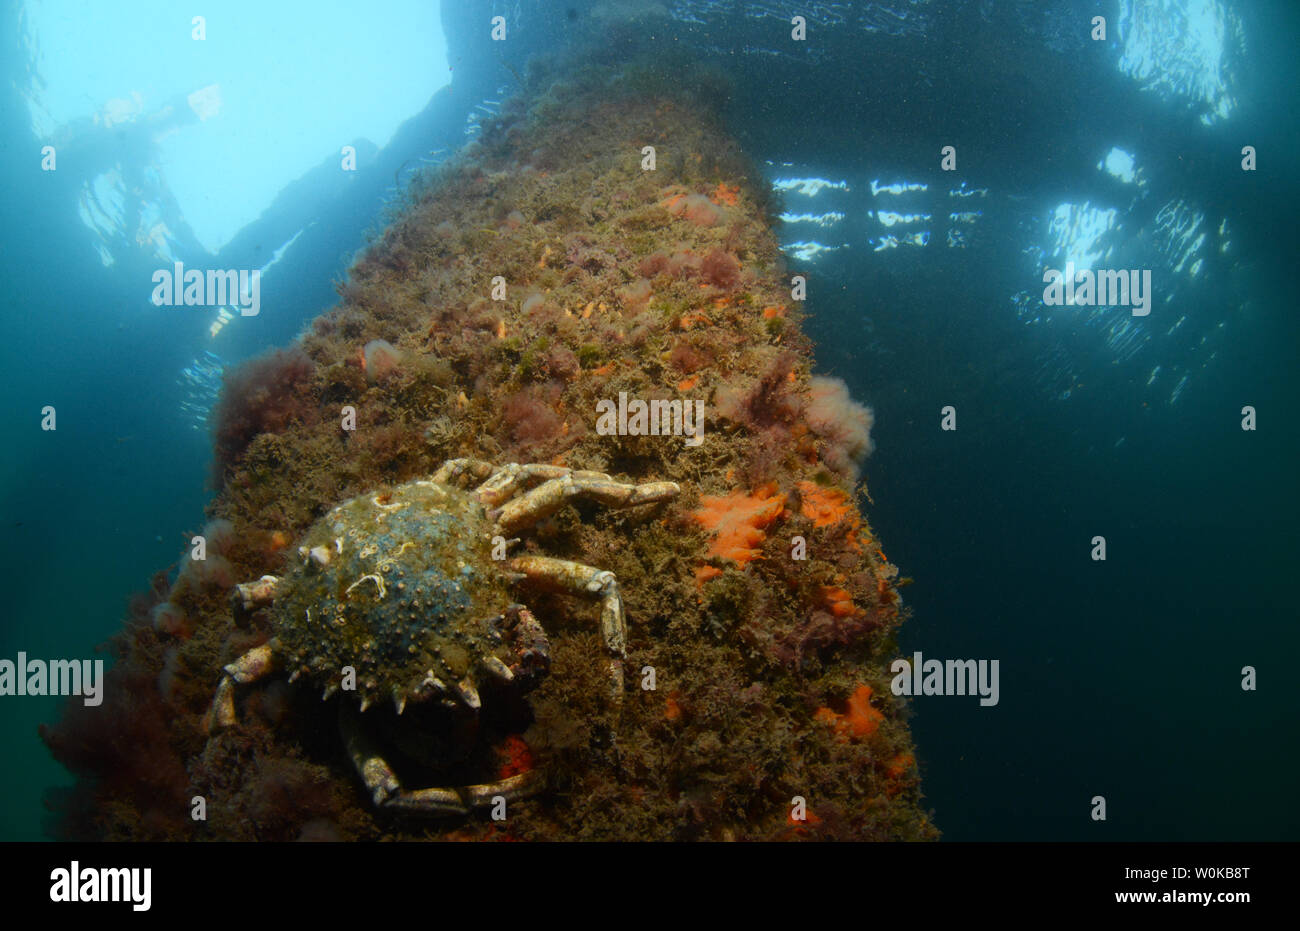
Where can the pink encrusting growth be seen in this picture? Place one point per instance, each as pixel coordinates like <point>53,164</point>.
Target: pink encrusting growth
<point>171,620</point>
<point>636,296</point>
<point>843,424</point>
<point>694,208</point>
<point>380,359</point>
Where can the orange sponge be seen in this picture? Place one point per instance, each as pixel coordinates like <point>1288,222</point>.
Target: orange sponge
<point>860,720</point>
<point>839,602</point>
<point>826,506</point>
<point>738,522</point>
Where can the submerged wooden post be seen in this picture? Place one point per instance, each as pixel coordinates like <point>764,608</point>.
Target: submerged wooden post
<point>595,284</point>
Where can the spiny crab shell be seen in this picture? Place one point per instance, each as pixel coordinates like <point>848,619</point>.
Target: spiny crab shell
<point>401,586</point>
<point>409,602</point>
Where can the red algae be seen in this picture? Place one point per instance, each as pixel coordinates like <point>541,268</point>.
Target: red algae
<point>515,757</point>
<point>264,395</point>
<point>720,269</point>
<point>529,420</point>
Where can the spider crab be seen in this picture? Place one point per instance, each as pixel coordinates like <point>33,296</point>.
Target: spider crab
<point>404,595</point>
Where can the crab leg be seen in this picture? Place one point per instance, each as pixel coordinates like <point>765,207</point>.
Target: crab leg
<point>435,801</point>
<point>530,641</point>
<point>507,480</point>
<point>256,664</point>
<point>511,788</point>
<point>386,789</point>
<point>550,496</point>
<point>578,579</point>
<point>453,470</point>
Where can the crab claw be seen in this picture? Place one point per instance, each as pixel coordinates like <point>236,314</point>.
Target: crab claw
<point>249,596</point>
<point>254,665</point>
